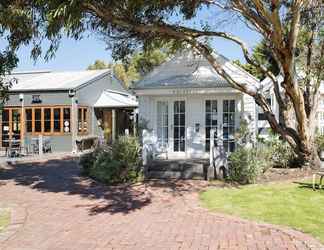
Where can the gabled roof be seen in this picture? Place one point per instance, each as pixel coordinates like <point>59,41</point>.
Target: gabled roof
<point>186,69</point>
<point>51,81</point>
<point>115,99</point>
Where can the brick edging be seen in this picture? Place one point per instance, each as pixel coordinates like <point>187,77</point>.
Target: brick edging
<point>18,217</point>
<point>307,240</point>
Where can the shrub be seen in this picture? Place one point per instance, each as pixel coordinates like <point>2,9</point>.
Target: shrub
<point>281,152</point>
<point>319,141</point>
<point>116,165</point>
<point>246,164</point>
<point>87,160</point>
<point>127,150</point>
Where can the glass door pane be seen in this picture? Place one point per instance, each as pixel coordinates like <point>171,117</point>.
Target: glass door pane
<point>211,121</point>
<point>229,125</point>
<point>15,124</point>
<point>162,123</point>
<point>5,128</point>
<point>179,131</point>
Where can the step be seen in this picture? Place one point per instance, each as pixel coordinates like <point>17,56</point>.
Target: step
<point>176,169</point>
<point>175,175</point>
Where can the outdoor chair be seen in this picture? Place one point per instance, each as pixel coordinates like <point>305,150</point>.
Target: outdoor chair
<point>14,149</point>
<point>47,148</point>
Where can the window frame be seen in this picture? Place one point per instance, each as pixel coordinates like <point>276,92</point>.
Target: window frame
<point>52,132</point>
<point>87,109</point>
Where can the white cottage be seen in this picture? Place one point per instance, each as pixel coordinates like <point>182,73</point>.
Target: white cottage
<point>183,99</point>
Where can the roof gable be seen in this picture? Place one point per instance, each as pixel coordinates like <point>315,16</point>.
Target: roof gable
<point>187,69</point>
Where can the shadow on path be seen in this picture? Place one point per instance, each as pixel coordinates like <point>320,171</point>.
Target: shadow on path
<point>63,176</point>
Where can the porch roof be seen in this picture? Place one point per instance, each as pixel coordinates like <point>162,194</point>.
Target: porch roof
<point>114,99</point>
<point>187,69</point>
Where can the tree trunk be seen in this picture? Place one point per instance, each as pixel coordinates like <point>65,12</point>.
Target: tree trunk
<point>307,154</point>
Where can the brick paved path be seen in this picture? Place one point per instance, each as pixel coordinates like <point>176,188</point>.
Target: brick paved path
<point>65,211</point>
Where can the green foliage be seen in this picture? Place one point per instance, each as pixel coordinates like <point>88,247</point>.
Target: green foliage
<point>133,67</point>
<point>252,159</point>
<point>282,154</point>
<point>119,164</point>
<point>99,64</point>
<point>246,164</point>
<point>263,55</point>
<point>319,141</point>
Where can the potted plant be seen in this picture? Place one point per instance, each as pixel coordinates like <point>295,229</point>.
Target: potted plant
<point>320,146</point>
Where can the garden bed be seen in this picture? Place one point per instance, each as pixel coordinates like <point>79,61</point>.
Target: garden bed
<point>283,174</point>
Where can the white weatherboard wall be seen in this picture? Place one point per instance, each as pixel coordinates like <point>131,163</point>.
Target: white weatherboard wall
<point>195,113</point>
<point>249,112</point>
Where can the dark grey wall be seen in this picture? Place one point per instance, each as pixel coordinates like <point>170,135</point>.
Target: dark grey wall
<point>54,98</point>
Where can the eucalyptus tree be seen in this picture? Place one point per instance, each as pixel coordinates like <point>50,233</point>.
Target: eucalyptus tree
<point>131,24</point>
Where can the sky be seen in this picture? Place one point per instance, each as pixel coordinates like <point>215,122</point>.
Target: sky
<point>78,55</point>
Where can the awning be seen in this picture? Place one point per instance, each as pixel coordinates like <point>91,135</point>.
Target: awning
<point>114,99</point>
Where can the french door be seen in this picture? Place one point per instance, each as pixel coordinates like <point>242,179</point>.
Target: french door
<point>10,126</point>
<point>220,117</point>
<point>179,126</point>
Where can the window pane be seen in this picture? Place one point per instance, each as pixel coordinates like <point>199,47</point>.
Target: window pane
<point>80,120</point>
<point>38,122</point>
<point>232,106</point>
<point>67,119</point>
<point>85,120</point>
<point>5,128</point>
<point>57,120</point>
<point>47,120</point>
<point>29,122</point>
<point>208,106</point>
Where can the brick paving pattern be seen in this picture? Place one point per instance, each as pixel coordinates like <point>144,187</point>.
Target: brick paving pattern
<point>58,209</point>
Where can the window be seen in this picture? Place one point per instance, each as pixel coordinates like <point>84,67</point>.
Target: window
<point>83,120</point>
<point>261,115</point>
<point>162,123</point>
<point>229,125</point>
<point>66,119</point>
<point>29,120</point>
<point>210,121</point>
<point>48,120</point>
<point>38,120</point>
<point>57,120</point>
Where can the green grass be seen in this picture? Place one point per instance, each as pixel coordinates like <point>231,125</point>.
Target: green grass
<point>290,204</point>
<point>4,218</point>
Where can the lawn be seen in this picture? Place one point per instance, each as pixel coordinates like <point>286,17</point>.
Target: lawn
<point>291,204</point>
<point>4,218</point>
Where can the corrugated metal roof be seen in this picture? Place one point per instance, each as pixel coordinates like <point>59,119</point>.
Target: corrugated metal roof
<point>47,80</point>
<point>186,69</point>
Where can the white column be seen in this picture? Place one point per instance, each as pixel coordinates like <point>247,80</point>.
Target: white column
<point>135,121</point>
<point>113,125</point>
<point>22,122</point>
<point>74,123</point>
<point>211,147</point>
